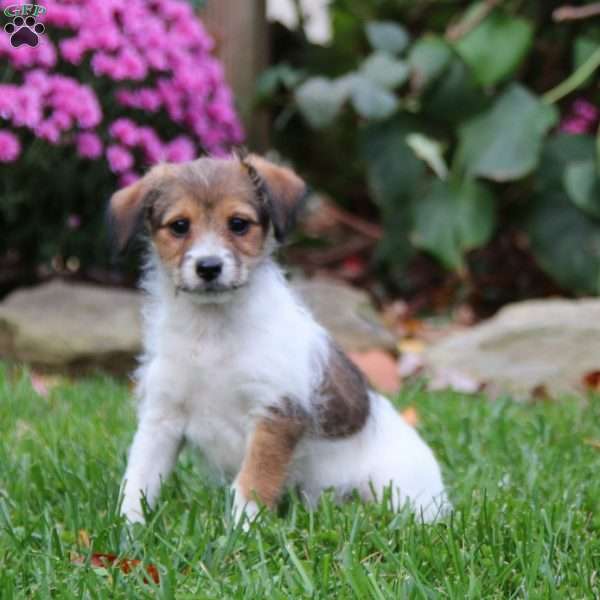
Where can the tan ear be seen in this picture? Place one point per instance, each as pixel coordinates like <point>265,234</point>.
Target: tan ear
<point>286,192</point>
<point>125,212</point>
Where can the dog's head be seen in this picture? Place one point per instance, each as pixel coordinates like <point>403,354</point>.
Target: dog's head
<point>210,221</point>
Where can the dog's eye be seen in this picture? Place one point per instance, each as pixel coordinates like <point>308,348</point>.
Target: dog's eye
<point>238,225</point>
<point>180,227</point>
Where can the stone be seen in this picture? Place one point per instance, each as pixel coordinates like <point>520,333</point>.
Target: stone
<point>71,327</point>
<point>347,313</point>
<point>76,327</point>
<point>529,349</point>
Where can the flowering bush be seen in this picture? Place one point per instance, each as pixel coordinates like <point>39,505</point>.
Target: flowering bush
<point>110,89</point>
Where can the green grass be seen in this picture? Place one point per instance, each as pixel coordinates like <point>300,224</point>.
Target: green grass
<point>525,485</point>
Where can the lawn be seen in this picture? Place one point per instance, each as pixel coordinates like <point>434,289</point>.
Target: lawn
<point>525,481</point>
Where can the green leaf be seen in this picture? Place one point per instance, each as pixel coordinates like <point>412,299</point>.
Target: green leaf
<point>504,142</point>
<point>393,170</point>
<point>496,47</point>
<point>387,36</point>
<point>560,151</point>
<point>585,45</point>
<point>371,100</point>
<point>429,150</point>
<point>429,57</point>
<point>320,100</point>
<point>272,78</point>
<point>454,217</point>
<point>564,241</point>
<point>394,175</point>
<point>455,96</point>
<point>582,184</point>
<point>385,70</point>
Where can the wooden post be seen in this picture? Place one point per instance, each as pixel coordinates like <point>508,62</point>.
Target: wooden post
<point>240,31</point>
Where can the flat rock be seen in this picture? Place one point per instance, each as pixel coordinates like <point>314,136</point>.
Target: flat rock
<point>70,326</point>
<point>346,312</point>
<point>532,348</point>
<point>77,327</point>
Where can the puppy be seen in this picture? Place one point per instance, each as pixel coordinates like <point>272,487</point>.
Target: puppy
<point>235,364</point>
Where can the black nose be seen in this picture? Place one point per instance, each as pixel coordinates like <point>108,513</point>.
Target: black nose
<point>209,268</point>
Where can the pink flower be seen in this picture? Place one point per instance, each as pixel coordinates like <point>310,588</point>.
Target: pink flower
<point>582,119</point>
<point>89,145</point>
<point>151,144</point>
<point>149,100</point>
<point>63,16</point>
<point>586,110</point>
<point>62,119</point>
<point>181,149</point>
<point>574,126</point>
<point>128,178</point>
<point>125,131</point>
<point>10,148</point>
<point>72,50</point>
<point>47,130</point>
<point>73,221</point>
<point>119,159</point>
<point>152,58</point>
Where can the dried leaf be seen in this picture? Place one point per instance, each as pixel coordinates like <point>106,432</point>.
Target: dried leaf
<point>411,416</point>
<point>593,443</point>
<point>410,363</point>
<point>379,368</point>
<point>43,384</point>
<point>591,381</point>
<point>411,346</point>
<point>100,560</point>
<point>455,380</point>
<point>84,538</point>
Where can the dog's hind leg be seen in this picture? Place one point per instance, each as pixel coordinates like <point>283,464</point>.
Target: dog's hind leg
<point>265,467</point>
<point>151,459</point>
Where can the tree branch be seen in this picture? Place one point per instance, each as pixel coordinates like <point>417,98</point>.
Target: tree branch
<point>465,25</point>
<point>575,13</point>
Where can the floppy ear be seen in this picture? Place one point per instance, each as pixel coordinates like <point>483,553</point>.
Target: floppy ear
<point>125,212</point>
<point>285,193</point>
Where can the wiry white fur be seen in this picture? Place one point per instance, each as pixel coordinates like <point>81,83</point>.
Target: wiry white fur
<point>210,370</point>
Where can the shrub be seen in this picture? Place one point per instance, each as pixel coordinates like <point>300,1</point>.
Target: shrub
<point>110,89</point>
<point>450,124</point>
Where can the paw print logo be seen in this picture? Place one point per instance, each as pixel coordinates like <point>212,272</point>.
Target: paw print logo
<point>24,31</point>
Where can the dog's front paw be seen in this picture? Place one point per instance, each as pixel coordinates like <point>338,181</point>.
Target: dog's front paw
<point>132,510</point>
<point>244,510</point>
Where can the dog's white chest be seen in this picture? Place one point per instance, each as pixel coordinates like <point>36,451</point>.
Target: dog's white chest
<point>218,404</point>
<point>219,370</point>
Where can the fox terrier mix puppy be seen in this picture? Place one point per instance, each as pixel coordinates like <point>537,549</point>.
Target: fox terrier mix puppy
<point>235,364</point>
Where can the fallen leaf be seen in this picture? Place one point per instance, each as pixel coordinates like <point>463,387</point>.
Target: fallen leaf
<point>540,392</point>
<point>593,443</point>
<point>591,381</point>
<point>411,416</point>
<point>455,380</point>
<point>411,345</point>
<point>379,368</point>
<point>84,538</point>
<point>410,363</point>
<point>43,384</point>
<point>101,560</point>
<point>353,267</point>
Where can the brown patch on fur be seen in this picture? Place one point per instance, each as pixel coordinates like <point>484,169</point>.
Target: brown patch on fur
<point>127,205</point>
<point>222,189</point>
<point>265,466</point>
<point>125,209</point>
<point>171,248</point>
<point>251,243</point>
<point>285,192</point>
<point>344,397</point>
